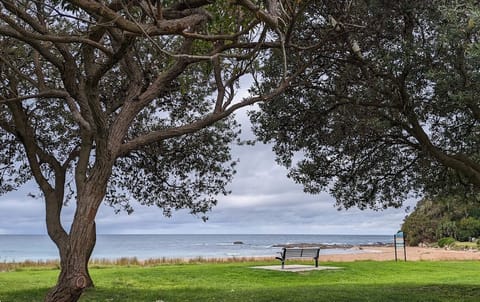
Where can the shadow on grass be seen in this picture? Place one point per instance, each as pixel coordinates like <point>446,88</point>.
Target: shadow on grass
<point>338,292</point>
<point>24,295</point>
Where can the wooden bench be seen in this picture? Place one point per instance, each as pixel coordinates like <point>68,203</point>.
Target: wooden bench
<point>310,252</point>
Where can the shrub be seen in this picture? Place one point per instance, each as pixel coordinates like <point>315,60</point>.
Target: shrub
<point>446,241</point>
<point>467,228</point>
<point>446,228</point>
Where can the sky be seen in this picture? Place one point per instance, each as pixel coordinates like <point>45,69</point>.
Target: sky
<point>263,201</point>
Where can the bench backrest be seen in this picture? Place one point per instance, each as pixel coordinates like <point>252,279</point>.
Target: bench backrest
<point>299,252</point>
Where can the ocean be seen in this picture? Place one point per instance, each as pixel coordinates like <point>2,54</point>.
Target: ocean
<point>17,248</point>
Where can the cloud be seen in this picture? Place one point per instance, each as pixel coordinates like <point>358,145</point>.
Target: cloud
<point>274,206</point>
<point>20,216</point>
<point>28,205</point>
<point>263,200</point>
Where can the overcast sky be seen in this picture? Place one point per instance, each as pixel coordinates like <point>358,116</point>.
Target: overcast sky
<point>264,201</point>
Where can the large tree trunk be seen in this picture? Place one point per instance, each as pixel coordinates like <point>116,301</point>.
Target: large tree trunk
<point>74,256</point>
<point>74,276</point>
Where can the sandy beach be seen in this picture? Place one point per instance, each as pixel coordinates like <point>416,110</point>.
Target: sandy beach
<point>413,254</point>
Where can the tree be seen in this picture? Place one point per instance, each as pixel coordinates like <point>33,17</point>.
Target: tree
<point>421,225</point>
<point>449,216</point>
<point>119,101</point>
<point>388,110</point>
<point>468,228</point>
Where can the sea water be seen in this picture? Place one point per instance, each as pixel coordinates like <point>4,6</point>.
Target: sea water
<point>17,248</point>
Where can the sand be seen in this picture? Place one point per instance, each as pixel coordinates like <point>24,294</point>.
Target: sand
<point>413,254</point>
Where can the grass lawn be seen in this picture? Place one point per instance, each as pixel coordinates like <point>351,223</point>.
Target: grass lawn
<point>357,281</point>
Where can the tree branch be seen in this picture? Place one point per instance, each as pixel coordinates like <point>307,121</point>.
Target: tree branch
<point>26,136</point>
<point>215,37</point>
<point>270,18</point>
<point>37,26</point>
<point>163,27</point>
<point>20,74</point>
<point>77,116</point>
<point>217,72</point>
<point>66,39</point>
<point>43,50</point>
<point>51,93</point>
<point>206,121</point>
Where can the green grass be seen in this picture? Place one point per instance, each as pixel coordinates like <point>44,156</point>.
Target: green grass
<point>357,281</point>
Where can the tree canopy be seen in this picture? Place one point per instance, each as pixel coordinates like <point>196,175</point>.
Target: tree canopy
<point>387,111</point>
<point>72,73</point>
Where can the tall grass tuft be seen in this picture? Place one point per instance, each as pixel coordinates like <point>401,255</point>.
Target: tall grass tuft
<point>126,261</point>
<point>29,264</point>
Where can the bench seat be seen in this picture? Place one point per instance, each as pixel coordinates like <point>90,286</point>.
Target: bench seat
<point>310,252</point>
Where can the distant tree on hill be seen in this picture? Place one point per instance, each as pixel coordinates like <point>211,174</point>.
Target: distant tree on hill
<point>422,224</point>
<point>432,220</point>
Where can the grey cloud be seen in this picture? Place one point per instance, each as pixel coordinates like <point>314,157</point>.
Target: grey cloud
<point>263,200</point>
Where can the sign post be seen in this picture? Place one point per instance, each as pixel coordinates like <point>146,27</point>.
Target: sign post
<point>399,242</point>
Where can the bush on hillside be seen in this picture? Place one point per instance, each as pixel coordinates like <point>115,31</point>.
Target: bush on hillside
<point>467,228</point>
<point>446,241</point>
